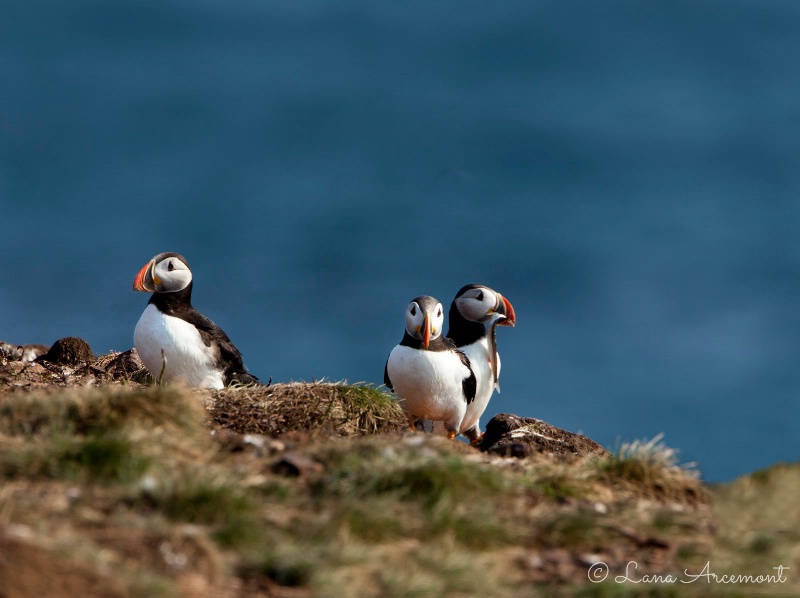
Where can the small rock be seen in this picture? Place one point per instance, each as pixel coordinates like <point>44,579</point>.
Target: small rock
<point>148,484</point>
<point>69,350</point>
<point>255,440</point>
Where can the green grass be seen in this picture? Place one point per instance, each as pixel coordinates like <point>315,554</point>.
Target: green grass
<point>228,512</point>
<point>445,479</point>
<point>106,457</point>
<point>561,484</point>
<point>570,529</point>
<point>382,495</point>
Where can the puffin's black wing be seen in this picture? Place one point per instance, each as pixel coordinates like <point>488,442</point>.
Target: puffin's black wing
<point>386,380</point>
<point>229,356</point>
<point>470,383</point>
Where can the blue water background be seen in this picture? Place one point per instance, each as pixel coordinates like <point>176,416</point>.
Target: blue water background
<point>625,172</point>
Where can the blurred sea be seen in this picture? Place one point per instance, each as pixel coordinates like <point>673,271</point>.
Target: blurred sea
<point>626,173</point>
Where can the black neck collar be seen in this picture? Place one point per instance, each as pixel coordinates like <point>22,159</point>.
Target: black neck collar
<point>439,343</point>
<point>170,303</point>
<point>463,332</point>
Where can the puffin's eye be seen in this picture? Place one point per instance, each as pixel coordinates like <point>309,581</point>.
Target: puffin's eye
<point>170,267</point>
<point>413,310</point>
<point>480,296</point>
<point>439,313</point>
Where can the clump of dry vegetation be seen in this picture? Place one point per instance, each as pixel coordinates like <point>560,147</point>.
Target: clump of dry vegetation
<point>309,489</point>
<point>652,468</point>
<point>317,408</point>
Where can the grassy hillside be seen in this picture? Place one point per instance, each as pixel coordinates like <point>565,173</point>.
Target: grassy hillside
<point>318,490</point>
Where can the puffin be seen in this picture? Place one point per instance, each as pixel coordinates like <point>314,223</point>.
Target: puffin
<point>431,378</point>
<point>474,307</point>
<point>173,339</point>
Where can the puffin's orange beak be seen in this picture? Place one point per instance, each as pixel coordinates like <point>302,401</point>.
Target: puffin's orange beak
<point>427,334</point>
<point>144,279</point>
<point>508,312</point>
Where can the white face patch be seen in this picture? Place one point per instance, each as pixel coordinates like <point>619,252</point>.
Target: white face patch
<point>415,320</point>
<point>478,304</point>
<point>171,275</point>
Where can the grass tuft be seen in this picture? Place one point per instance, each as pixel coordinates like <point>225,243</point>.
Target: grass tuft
<point>652,468</point>
<point>321,408</point>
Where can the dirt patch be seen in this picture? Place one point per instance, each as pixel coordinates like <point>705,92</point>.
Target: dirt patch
<point>27,569</point>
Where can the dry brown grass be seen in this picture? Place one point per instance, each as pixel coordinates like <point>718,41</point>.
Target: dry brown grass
<point>650,470</point>
<point>318,408</point>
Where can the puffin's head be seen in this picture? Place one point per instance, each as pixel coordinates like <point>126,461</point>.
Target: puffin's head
<point>424,319</point>
<point>478,303</point>
<point>165,273</point>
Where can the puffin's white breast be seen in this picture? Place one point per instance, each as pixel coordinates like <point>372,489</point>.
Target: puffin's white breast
<point>429,384</point>
<point>187,356</point>
<point>478,354</point>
